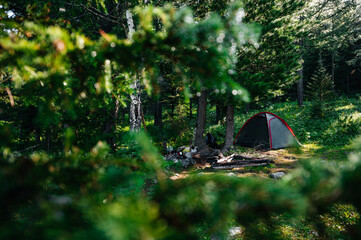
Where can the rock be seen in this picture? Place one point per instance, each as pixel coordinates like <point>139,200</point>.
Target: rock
<point>233,231</point>
<point>187,154</point>
<point>231,174</point>
<point>277,175</point>
<point>186,162</point>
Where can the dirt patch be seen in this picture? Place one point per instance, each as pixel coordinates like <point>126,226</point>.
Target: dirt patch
<point>285,160</point>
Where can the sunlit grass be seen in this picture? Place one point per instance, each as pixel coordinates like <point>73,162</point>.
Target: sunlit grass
<point>346,107</point>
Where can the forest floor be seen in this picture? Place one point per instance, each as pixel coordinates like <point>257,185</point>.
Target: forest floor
<point>328,138</point>
<point>285,160</point>
<point>340,216</point>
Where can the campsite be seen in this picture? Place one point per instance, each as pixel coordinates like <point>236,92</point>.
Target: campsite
<point>184,119</point>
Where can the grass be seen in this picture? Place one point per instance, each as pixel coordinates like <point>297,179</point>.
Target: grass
<point>257,169</point>
<point>328,138</point>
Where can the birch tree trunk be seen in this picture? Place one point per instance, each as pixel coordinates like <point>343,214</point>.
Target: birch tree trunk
<point>228,142</point>
<point>135,115</point>
<point>201,121</point>
<point>130,23</point>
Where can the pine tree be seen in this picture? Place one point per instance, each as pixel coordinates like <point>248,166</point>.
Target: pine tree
<point>320,89</point>
<point>333,27</point>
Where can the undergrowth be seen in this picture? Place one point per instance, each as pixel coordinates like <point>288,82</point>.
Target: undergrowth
<point>332,132</point>
<point>328,137</point>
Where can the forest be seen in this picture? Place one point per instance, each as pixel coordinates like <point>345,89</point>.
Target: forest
<point>152,119</point>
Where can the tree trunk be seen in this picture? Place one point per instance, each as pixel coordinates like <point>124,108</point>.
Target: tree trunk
<point>158,114</point>
<point>300,72</point>
<point>300,91</point>
<point>111,125</point>
<point>37,135</point>
<point>144,109</point>
<point>47,139</point>
<point>201,121</point>
<point>333,67</point>
<point>123,112</point>
<point>190,109</point>
<point>218,113</point>
<point>300,82</point>
<point>135,115</point>
<point>130,23</point>
<point>333,55</point>
<point>228,142</point>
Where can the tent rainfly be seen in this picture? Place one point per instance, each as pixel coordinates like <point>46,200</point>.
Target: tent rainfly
<point>266,130</point>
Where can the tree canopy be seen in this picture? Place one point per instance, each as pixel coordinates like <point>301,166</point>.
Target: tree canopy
<point>71,169</point>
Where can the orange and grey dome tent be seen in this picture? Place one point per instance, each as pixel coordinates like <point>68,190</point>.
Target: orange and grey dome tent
<point>266,130</point>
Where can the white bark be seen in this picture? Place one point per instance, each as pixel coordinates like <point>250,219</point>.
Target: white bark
<point>135,116</point>
<point>130,23</point>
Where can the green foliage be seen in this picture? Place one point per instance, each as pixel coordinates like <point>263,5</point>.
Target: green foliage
<point>65,87</point>
<point>330,30</point>
<point>68,80</point>
<point>269,69</point>
<point>339,219</point>
<point>107,196</point>
<point>170,165</point>
<point>264,169</point>
<point>320,89</point>
<point>333,132</point>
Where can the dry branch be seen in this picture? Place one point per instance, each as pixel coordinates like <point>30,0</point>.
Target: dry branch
<point>230,167</point>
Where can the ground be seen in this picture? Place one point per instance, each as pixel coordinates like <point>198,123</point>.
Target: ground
<point>326,139</point>
<point>339,219</point>
<point>285,160</point>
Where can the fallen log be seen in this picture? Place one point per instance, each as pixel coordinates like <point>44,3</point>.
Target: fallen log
<point>243,157</point>
<point>212,159</point>
<point>230,167</point>
<point>226,159</point>
<point>243,162</point>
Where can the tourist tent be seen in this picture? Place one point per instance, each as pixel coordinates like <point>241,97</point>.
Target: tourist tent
<point>266,130</point>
